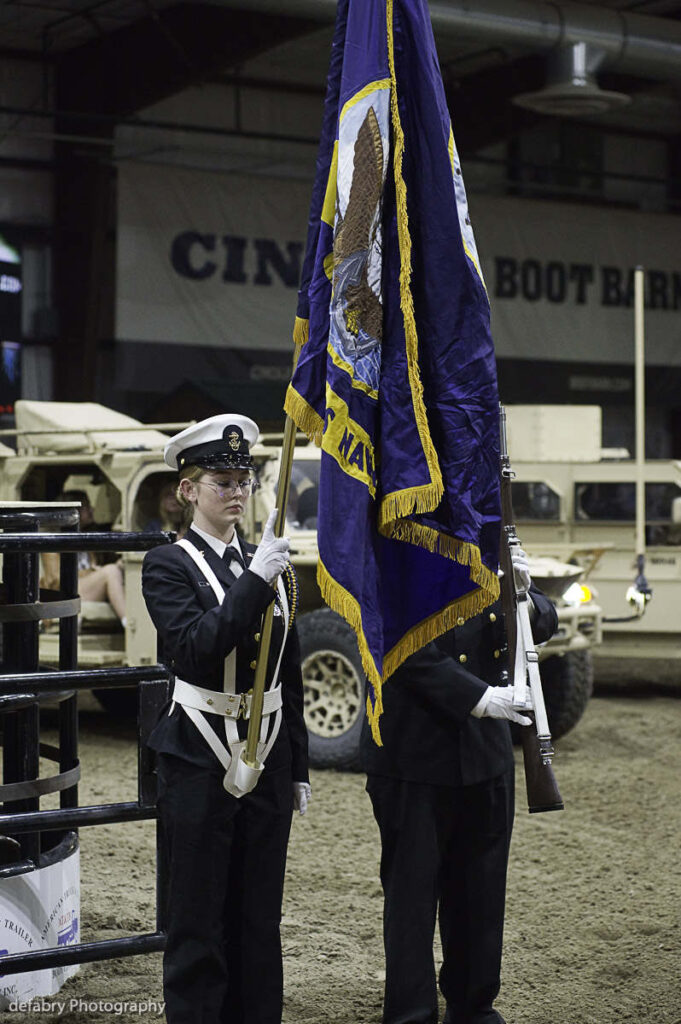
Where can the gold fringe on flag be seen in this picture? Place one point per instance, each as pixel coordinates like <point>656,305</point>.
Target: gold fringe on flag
<point>301,330</point>
<point>435,489</point>
<point>400,504</point>
<point>465,607</point>
<point>430,629</point>
<point>342,602</point>
<point>303,415</point>
<point>459,551</point>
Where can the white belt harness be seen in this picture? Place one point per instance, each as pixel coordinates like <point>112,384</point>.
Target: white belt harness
<point>198,701</point>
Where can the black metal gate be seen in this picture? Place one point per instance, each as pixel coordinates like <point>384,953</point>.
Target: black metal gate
<point>31,837</point>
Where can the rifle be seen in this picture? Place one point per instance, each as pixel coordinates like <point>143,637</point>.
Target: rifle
<point>542,788</point>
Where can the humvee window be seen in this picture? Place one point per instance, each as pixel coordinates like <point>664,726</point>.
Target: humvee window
<point>536,501</point>
<point>48,481</point>
<point>301,511</point>
<point>617,502</point>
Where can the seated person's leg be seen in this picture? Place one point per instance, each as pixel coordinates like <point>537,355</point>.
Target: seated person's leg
<point>105,584</point>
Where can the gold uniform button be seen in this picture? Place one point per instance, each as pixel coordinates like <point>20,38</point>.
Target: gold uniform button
<point>257,638</point>
<point>253,664</point>
<point>492,617</point>
<point>497,654</point>
<point>460,621</point>
<point>209,701</point>
<point>463,659</point>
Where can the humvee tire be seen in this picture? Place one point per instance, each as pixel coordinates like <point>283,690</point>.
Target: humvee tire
<point>567,682</point>
<point>334,687</point>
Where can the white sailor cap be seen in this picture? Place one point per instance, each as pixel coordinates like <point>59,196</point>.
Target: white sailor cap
<point>220,442</point>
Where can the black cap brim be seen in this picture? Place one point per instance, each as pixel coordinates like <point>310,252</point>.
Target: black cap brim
<point>218,462</point>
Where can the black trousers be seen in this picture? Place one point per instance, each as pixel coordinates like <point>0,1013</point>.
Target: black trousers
<point>443,849</point>
<point>227,857</point>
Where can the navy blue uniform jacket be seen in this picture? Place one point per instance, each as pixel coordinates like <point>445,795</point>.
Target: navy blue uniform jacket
<point>196,634</point>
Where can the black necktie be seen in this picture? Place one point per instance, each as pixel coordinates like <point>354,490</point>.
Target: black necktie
<point>232,555</point>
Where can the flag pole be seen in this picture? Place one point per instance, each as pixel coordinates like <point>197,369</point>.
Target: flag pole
<point>250,754</point>
<point>640,593</point>
<point>639,419</point>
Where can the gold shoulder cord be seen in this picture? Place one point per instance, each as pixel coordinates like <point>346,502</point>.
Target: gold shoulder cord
<point>291,584</point>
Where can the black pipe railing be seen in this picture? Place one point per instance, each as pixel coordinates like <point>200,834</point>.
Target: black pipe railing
<point>62,542</point>
<point>83,953</point>
<point>80,679</point>
<point>75,817</point>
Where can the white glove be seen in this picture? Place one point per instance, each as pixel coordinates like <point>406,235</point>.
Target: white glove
<point>302,794</point>
<point>271,554</point>
<point>497,702</point>
<point>521,569</point>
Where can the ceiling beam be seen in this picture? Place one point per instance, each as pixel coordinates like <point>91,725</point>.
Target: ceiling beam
<point>633,43</point>
<point>122,72</point>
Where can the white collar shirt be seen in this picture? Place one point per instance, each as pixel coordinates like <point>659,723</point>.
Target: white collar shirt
<point>220,547</point>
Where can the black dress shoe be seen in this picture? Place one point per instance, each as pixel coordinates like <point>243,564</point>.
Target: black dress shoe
<point>494,1018</point>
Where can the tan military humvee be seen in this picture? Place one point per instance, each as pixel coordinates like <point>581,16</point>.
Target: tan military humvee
<point>118,462</point>
<point>576,501</point>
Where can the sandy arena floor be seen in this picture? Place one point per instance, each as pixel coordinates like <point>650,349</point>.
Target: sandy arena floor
<point>594,906</point>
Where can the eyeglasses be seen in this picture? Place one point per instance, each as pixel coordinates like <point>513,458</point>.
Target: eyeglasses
<point>229,488</point>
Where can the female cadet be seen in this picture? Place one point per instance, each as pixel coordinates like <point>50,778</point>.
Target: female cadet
<point>226,846</point>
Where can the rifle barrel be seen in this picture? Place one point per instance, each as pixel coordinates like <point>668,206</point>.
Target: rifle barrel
<point>540,782</point>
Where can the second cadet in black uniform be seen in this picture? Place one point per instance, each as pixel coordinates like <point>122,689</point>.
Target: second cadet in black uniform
<point>442,791</point>
<point>225,839</point>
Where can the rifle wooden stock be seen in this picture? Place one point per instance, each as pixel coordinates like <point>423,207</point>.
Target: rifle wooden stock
<point>540,781</point>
